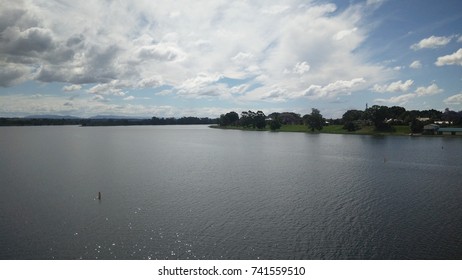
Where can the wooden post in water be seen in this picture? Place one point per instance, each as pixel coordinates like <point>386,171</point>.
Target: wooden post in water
<point>99,195</point>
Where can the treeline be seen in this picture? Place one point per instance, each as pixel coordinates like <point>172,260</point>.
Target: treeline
<point>38,121</point>
<point>105,122</point>
<point>152,121</point>
<point>258,120</point>
<point>383,118</point>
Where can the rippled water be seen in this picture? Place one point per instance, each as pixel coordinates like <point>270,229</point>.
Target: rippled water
<point>191,192</point>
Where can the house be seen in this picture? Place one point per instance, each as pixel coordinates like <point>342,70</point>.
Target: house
<point>423,119</point>
<point>452,130</point>
<point>431,128</point>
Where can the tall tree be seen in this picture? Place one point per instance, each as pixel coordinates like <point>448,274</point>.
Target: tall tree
<point>315,121</point>
<point>230,118</point>
<point>352,115</point>
<point>260,120</point>
<point>378,115</point>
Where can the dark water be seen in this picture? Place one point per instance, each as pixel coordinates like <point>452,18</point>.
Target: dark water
<point>191,192</point>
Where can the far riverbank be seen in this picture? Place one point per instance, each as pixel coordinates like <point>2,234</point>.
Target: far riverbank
<point>398,130</point>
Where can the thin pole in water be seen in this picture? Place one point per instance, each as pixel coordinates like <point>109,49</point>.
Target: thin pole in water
<point>99,195</point>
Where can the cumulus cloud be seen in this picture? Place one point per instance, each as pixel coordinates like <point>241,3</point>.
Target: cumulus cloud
<point>333,89</point>
<point>29,42</point>
<point>416,64</point>
<point>454,99</point>
<point>404,98</point>
<point>430,90</point>
<point>401,99</point>
<point>291,50</point>
<point>113,88</point>
<point>203,85</point>
<point>13,73</point>
<point>432,42</point>
<point>72,88</point>
<point>150,82</point>
<point>161,52</point>
<point>344,33</point>
<point>375,2</point>
<point>275,9</point>
<point>398,86</point>
<point>301,68</point>
<point>451,59</point>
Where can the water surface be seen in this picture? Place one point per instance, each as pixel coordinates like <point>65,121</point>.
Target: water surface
<point>191,192</point>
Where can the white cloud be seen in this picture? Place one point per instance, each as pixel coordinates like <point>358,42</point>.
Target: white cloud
<point>398,86</point>
<point>162,52</point>
<point>193,49</point>
<point>72,88</point>
<point>454,99</point>
<point>112,88</point>
<point>432,42</point>
<point>344,33</point>
<point>20,105</point>
<point>375,2</point>
<point>128,98</point>
<point>242,57</point>
<point>333,89</point>
<point>150,82</point>
<point>416,64</point>
<point>430,90</point>
<point>404,98</point>
<point>204,85</point>
<point>401,99</point>
<point>239,89</point>
<point>451,59</point>
<point>301,68</point>
<point>275,9</point>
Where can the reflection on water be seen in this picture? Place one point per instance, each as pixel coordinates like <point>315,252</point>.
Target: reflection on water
<point>191,192</point>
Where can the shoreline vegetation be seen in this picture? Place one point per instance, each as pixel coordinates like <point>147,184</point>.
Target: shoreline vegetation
<point>401,130</point>
<point>375,120</point>
<point>103,121</point>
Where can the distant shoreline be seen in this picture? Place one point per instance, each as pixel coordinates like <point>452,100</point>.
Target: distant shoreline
<point>100,121</point>
<point>338,129</point>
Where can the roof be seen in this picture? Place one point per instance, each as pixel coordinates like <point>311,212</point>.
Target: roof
<point>431,126</point>
<point>450,129</point>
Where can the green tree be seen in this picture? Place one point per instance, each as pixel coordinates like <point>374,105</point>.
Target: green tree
<point>416,126</point>
<point>351,126</point>
<point>315,121</point>
<point>260,120</point>
<point>378,115</point>
<point>275,125</point>
<point>396,112</point>
<point>352,115</point>
<point>230,118</point>
<point>252,119</point>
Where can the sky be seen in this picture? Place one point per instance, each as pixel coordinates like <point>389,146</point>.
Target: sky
<point>205,58</point>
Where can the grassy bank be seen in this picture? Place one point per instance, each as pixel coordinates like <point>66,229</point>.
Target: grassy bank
<point>338,129</point>
<point>333,129</point>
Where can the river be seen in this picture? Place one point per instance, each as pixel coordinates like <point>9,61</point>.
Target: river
<point>192,192</point>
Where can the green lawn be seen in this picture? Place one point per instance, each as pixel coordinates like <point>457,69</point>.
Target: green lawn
<point>399,130</point>
<point>338,129</point>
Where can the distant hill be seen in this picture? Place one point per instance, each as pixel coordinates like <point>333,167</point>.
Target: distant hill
<point>114,117</point>
<point>52,117</point>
